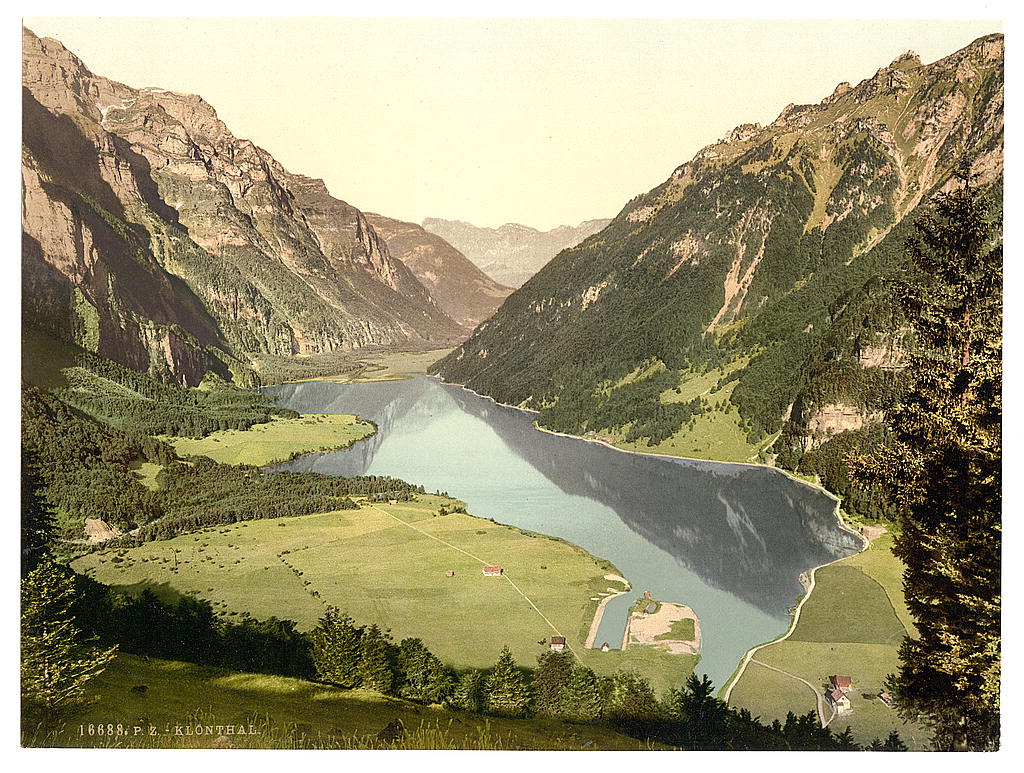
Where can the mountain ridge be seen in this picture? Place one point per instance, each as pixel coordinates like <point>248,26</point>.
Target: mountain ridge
<point>513,252</point>
<point>155,237</point>
<point>460,288</point>
<point>736,272</point>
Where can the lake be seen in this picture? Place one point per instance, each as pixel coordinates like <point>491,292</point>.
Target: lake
<point>728,540</point>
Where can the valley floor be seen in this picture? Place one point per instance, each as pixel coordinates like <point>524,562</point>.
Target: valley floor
<point>387,564</point>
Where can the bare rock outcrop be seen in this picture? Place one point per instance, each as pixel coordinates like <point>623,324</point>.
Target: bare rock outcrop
<point>153,236</point>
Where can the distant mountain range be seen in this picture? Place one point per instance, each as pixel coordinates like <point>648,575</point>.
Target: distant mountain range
<point>746,291</point>
<point>512,253</point>
<point>156,238</point>
<point>461,290</point>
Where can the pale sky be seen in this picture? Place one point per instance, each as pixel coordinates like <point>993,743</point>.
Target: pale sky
<point>541,121</point>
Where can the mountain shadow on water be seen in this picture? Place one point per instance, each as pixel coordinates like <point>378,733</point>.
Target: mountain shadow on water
<point>747,530</point>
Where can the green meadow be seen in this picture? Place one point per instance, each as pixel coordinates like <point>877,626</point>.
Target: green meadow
<point>388,564</point>
<point>277,440</point>
<point>715,434</point>
<point>852,624</point>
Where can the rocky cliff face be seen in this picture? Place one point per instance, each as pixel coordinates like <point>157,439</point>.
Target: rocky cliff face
<point>461,290</point>
<point>155,237</point>
<point>745,266</point>
<point>512,253</point>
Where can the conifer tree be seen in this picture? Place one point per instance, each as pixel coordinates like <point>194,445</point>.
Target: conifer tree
<point>892,743</point>
<point>630,699</point>
<point>37,522</point>
<point>581,696</point>
<point>424,676</point>
<point>440,682</point>
<point>57,661</point>
<point>468,694</point>
<point>552,674</point>
<point>336,649</point>
<point>505,691</point>
<point>944,469</point>
<point>376,671</point>
<point>703,716</point>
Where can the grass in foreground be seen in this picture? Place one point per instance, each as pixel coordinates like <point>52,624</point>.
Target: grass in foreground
<point>386,564</point>
<point>292,713</point>
<point>278,440</point>
<point>850,625</point>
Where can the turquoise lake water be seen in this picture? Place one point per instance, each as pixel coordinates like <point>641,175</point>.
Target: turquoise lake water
<point>728,540</point>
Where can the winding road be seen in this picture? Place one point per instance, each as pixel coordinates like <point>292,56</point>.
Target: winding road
<point>815,690</point>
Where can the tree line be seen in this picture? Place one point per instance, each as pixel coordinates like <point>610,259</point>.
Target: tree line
<point>144,405</point>
<point>86,470</point>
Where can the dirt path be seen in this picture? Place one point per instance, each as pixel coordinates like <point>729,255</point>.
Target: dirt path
<point>484,563</point>
<point>817,693</point>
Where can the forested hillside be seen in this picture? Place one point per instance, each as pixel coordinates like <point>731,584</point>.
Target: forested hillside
<point>748,293</point>
<point>85,444</point>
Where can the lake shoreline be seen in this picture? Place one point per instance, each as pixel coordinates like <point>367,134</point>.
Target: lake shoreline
<point>830,511</point>
<point>837,512</point>
<point>606,444</point>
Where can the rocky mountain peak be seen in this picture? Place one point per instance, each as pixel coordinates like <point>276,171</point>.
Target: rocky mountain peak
<point>157,238</point>
<point>906,59</point>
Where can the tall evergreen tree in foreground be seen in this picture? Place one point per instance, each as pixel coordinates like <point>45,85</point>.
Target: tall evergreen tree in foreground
<point>336,649</point>
<point>581,696</point>
<point>38,524</point>
<point>551,675</point>
<point>469,691</point>
<point>56,659</point>
<point>944,468</point>
<point>376,670</point>
<point>505,691</point>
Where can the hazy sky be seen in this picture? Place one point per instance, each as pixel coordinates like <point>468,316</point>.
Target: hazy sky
<point>541,122</point>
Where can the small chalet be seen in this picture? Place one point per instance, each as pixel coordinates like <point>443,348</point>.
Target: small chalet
<point>647,595</point>
<point>843,683</point>
<point>392,501</point>
<point>605,647</point>
<point>557,643</point>
<point>885,698</point>
<point>450,573</point>
<point>839,700</point>
<point>492,571</point>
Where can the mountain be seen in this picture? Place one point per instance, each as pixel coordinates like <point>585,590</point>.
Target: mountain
<point>744,296</point>
<point>155,237</point>
<point>461,290</point>
<point>512,253</point>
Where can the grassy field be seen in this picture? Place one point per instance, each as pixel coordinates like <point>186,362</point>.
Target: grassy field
<point>681,630</point>
<point>716,434</point>
<point>386,564</point>
<point>292,713</point>
<point>852,624</point>
<point>278,440</point>
<point>147,472</point>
